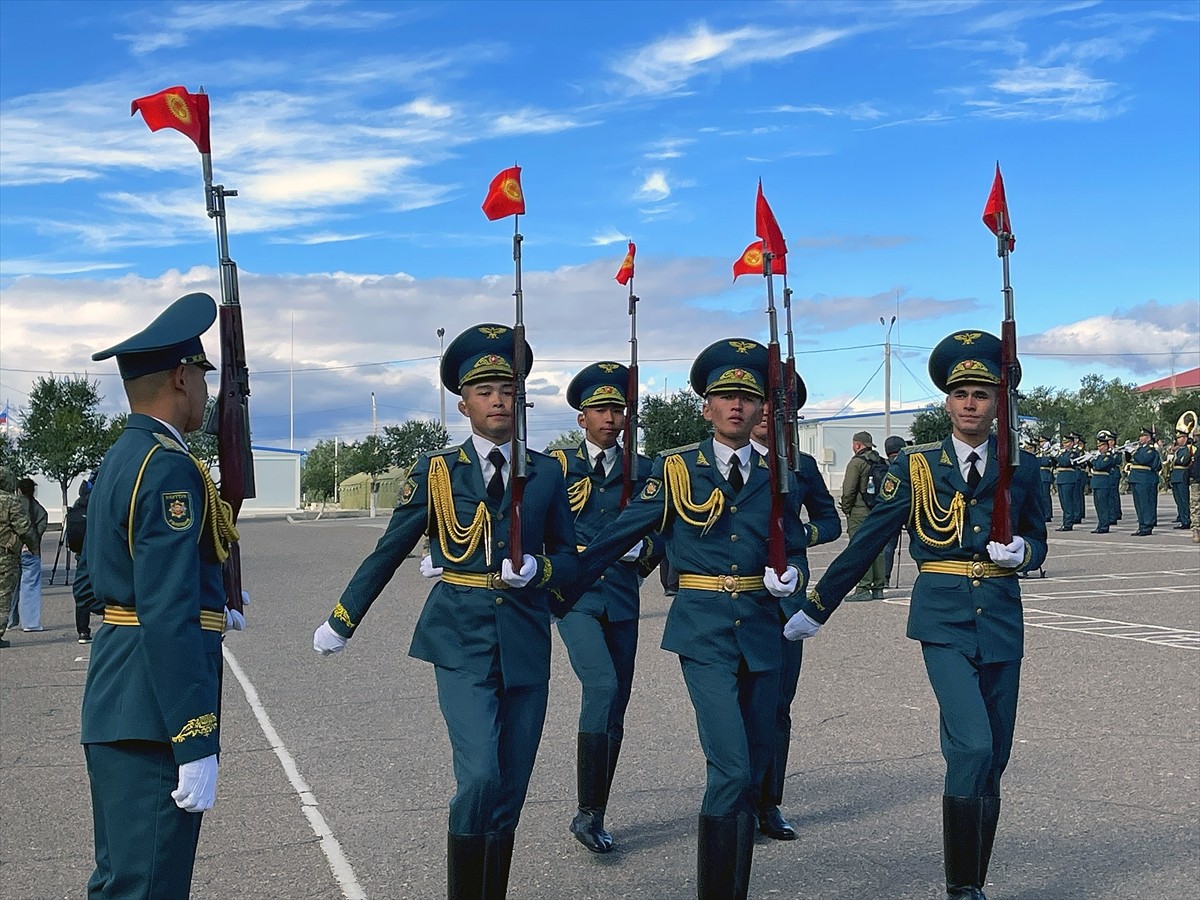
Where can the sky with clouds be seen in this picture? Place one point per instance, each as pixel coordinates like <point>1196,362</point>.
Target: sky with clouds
<point>361,137</point>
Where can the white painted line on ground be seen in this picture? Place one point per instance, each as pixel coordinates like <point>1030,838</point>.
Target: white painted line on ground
<point>1179,638</point>
<point>338,864</point>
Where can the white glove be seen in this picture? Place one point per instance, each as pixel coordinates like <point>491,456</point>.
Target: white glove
<point>518,579</point>
<point>327,641</point>
<point>1009,556</point>
<point>632,554</point>
<point>197,785</point>
<point>800,627</point>
<point>234,620</point>
<point>781,586</point>
<point>428,569</point>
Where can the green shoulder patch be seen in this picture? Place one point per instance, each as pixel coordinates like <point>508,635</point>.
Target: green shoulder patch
<point>651,489</point>
<point>890,485</point>
<point>683,449</point>
<point>407,491</point>
<point>170,443</point>
<point>917,448</point>
<point>177,510</point>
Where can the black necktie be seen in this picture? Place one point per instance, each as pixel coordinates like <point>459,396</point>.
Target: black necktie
<point>974,476</point>
<point>495,487</point>
<point>598,469</point>
<point>735,473</point>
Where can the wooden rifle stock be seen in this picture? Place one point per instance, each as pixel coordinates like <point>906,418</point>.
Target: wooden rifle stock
<point>630,473</point>
<point>518,469</point>
<point>1007,447</point>
<point>777,460</point>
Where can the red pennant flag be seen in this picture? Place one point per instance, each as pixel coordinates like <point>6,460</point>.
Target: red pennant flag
<point>504,196</point>
<point>751,262</point>
<point>995,213</point>
<point>626,271</point>
<point>767,228</point>
<point>176,108</point>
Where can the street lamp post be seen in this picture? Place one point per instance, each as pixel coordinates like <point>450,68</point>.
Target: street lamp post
<point>887,376</point>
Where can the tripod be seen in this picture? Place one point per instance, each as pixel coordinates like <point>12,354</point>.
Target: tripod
<point>62,545</point>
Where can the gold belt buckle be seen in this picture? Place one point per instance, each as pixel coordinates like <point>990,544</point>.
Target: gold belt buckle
<point>729,583</point>
<point>494,583</point>
<point>976,570</point>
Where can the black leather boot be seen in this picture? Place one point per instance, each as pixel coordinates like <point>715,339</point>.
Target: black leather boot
<point>464,866</point>
<point>614,750</point>
<point>497,860</point>
<point>717,857</point>
<point>745,855</point>
<point>592,772</point>
<point>962,839</point>
<point>987,831</point>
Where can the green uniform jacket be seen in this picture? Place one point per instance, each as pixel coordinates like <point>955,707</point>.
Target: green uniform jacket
<point>615,593</point>
<point>1066,472</point>
<point>824,524</point>
<point>972,615</point>
<point>1145,463</point>
<point>709,626</point>
<point>149,549</point>
<point>1103,469</point>
<point>464,627</point>
<point>1181,458</point>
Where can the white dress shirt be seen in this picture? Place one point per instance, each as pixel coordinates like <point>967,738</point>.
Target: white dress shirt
<point>610,455</point>
<point>725,456</point>
<point>483,447</point>
<point>963,450</point>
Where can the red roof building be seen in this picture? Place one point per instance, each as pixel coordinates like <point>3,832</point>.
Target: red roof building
<point>1180,381</point>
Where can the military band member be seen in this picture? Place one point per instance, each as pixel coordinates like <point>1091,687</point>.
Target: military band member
<point>1102,470</point>
<point>1181,458</point>
<point>824,525</point>
<point>711,502</point>
<point>1114,486</point>
<point>966,602</point>
<point>1069,478</point>
<point>484,626</point>
<point>157,535</point>
<point>1145,462</point>
<point>1045,463</point>
<point>601,631</point>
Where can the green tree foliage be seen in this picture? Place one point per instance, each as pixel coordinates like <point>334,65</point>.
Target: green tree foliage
<point>931,424</point>
<point>404,443</point>
<point>567,440</point>
<point>369,455</point>
<point>1099,403</point>
<point>322,470</point>
<point>671,421</point>
<point>62,433</point>
<point>10,456</point>
<point>201,444</point>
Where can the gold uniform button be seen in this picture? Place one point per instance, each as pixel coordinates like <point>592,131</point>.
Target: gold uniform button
<point>499,600</point>
<point>499,543</point>
<point>977,529</point>
<point>733,595</point>
<point>733,509</point>
<point>976,583</point>
<point>733,568</point>
<point>733,537</point>
<point>973,502</point>
<point>978,609</point>
<point>602,490</point>
<point>737,623</point>
<point>975,557</point>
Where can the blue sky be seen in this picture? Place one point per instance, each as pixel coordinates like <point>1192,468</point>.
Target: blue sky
<point>362,137</point>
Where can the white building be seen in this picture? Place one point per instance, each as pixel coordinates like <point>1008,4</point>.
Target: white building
<point>828,439</point>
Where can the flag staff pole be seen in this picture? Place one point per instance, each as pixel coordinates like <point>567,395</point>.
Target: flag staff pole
<point>629,477</point>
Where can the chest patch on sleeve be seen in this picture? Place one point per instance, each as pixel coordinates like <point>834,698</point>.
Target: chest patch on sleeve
<point>407,492</point>
<point>890,484</point>
<point>653,485</point>
<point>177,510</point>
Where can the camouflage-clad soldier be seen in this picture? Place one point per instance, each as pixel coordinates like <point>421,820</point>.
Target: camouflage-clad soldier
<point>15,531</point>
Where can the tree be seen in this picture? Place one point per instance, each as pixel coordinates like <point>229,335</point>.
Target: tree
<point>672,421</point>
<point>10,456</point>
<point>321,472</point>
<point>405,443</point>
<point>930,424</point>
<point>370,456</point>
<point>201,444</point>
<point>566,441</point>
<point>62,433</point>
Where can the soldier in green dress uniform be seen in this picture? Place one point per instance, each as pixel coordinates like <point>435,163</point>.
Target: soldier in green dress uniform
<point>1046,470</point>
<point>966,602</point>
<point>1181,458</point>
<point>601,630</point>
<point>711,504</point>
<point>1104,468</point>
<point>1145,462</point>
<point>823,525</point>
<point>157,536</point>
<point>485,626</point>
<point>1069,478</point>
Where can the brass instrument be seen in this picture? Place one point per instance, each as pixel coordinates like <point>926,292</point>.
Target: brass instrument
<point>1188,422</point>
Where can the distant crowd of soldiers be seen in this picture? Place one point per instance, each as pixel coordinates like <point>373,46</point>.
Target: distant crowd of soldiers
<point>1145,463</point>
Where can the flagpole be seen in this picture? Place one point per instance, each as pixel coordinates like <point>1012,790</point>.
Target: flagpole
<point>630,475</point>
<point>776,439</point>
<point>1008,449</point>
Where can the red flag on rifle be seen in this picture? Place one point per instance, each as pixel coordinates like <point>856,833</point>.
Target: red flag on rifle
<point>767,228</point>
<point>504,196</point>
<point>750,262</point>
<point>995,213</point>
<point>626,271</point>
<point>176,108</point>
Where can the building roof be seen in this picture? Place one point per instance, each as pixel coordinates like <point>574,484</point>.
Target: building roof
<point>1180,381</point>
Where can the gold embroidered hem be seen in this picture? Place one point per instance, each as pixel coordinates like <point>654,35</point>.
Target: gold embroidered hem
<point>199,727</point>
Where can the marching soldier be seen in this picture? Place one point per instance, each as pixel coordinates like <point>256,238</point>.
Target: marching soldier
<point>485,626</point>
<point>1103,469</point>
<point>966,603</point>
<point>1145,462</point>
<point>601,631</point>
<point>1114,487</point>
<point>157,536</point>
<point>1181,458</point>
<point>711,502</point>
<point>1046,471</point>
<point>1069,478</point>
<point>824,525</point>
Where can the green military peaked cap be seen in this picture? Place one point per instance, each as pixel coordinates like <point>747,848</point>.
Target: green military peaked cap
<point>173,339</point>
<point>600,384</point>
<point>966,357</point>
<point>481,353</point>
<point>732,364</point>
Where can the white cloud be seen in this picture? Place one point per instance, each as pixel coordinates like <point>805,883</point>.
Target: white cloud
<point>429,109</point>
<point>608,236</point>
<point>654,187</point>
<point>668,148</point>
<point>1146,340</point>
<point>533,121</point>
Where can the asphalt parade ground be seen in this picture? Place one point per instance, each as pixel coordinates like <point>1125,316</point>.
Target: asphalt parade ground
<point>336,773</point>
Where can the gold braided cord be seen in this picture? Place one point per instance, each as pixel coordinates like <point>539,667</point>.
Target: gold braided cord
<point>927,514</point>
<point>578,493</point>
<point>679,487</point>
<point>450,531</point>
<point>561,456</point>
<point>219,513</point>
